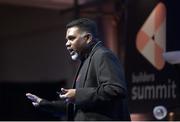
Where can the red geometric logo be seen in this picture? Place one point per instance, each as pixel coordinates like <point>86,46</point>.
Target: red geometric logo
<point>151,38</point>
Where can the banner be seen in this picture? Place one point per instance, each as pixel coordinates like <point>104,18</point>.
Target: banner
<point>151,80</point>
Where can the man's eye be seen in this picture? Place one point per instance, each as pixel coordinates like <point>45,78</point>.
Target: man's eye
<point>71,38</point>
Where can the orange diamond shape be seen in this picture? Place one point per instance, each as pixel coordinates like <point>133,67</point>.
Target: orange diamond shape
<point>151,38</point>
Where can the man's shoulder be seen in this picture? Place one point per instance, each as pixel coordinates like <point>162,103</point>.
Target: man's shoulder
<point>102,50</point>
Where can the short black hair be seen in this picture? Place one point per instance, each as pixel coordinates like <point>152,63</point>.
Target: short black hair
<point>84,24</point>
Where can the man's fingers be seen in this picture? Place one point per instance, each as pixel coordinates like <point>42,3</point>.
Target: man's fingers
<point>33,97</point>
<point>63,96</point>
<point>63,90</point>
<point>28,94</point>
<point>35,104</point>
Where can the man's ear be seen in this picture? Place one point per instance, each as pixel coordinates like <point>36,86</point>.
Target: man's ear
<point>88,37</point>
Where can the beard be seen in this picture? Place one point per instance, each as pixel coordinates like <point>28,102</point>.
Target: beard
<point>74,55</point>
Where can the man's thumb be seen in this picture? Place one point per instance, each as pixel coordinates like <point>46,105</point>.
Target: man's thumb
<point>63,90</point>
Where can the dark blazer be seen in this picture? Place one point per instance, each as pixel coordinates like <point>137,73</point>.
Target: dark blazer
<point>101,91</point>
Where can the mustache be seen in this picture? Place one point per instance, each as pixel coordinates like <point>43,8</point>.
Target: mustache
<point>72,51</point>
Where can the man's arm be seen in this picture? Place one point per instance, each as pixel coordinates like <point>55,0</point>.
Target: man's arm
<point>54,107</point>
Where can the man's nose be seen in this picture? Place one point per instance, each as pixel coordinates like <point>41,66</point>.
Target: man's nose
<point>68,43</point>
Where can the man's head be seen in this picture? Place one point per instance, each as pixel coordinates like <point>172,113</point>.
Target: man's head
<point>79,34</point>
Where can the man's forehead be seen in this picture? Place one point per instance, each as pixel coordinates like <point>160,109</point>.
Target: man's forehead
<point>72,31</point>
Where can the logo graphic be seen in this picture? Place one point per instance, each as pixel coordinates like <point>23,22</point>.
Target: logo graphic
<point>151,38</point>
<point>160,112</point>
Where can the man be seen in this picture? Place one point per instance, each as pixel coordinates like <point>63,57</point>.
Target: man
<point>99,90</point>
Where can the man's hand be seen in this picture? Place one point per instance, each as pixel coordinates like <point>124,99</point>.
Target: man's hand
<point>68,94</point>
<point>35,99</point>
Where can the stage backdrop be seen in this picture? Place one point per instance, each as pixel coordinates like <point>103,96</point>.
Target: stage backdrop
<point>151,80</point>
<point>32,45</point>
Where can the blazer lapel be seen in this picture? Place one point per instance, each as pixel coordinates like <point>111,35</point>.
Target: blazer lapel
<point>84,72</point>
<point>77,73</point>
<point>86,65</point>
